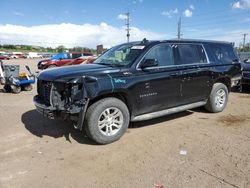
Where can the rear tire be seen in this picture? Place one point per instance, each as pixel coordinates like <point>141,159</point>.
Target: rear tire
<point>7,88</point>
<point>106,120</point>
<point>218,98</point>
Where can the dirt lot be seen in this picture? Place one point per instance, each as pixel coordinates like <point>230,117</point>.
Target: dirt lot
<point>36,152</point>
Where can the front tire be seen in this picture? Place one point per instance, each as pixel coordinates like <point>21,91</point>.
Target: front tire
<point>16,89</point>
<point>107,120</point>
<point>218,98</point>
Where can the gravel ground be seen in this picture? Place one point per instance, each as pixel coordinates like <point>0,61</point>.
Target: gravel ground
<point>189,149</point>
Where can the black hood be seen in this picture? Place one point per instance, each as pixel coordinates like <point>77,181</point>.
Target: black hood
<point>74,71</point>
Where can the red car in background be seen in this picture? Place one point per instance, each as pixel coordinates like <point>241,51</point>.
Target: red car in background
<point>4,57</point>
<point>63,59</point>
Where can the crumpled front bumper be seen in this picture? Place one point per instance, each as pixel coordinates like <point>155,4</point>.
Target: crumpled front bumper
<point>235,81</point>
<point>46,111</point>
<point>246,78</point>
<point>52,113</point>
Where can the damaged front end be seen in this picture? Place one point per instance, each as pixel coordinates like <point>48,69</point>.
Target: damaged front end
<point>62,99</point>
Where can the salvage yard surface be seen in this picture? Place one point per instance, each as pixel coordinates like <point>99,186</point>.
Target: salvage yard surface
<point>189,149</point>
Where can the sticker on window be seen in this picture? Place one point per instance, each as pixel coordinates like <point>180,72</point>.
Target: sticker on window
<point>137,47</point>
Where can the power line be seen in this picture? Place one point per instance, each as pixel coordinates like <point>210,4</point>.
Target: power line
<point>219,35</point>
<point>217,16</point>
<point>206,22</point>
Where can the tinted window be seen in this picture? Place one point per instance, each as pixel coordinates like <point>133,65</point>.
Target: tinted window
<point>86,54</point>
<point>222,53</point>
<point>74,56</point>
<point>163,54</point>
<point>189,54</point>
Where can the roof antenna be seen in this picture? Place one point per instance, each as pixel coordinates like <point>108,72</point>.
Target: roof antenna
<point>144,41</point>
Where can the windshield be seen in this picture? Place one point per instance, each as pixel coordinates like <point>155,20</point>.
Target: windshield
<point>120,55</point>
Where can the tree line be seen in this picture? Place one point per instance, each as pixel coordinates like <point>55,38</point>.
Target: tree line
<point>61,48</point>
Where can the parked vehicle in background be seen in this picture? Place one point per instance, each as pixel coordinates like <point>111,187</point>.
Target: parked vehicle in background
<point>90,60</point>
<point>4,56</point>
<point>32,55</point>
<point>46,55</point>
<point>63,59</point>
<point>139,81</point>
<point>16,55</point>
<point>245,72</point>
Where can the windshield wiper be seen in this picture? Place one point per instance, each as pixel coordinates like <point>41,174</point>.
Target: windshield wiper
<point>109,63</point>
<point>104,63</point>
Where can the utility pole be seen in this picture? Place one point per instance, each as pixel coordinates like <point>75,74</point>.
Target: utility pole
<point>128,25</point>
<point>179,29</point>
<point>244,39</point>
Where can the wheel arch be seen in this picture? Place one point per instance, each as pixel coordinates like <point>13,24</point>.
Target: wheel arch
<point>226,81</point>
<point>119,95</point>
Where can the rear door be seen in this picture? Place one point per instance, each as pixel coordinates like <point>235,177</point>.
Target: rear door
<point>77,59</point>
<point>65,59</point>
<point>196,76</point>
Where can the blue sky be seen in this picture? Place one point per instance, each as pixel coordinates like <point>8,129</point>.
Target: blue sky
<point>41,22</point>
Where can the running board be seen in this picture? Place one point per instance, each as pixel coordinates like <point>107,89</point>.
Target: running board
<point>168,111</point>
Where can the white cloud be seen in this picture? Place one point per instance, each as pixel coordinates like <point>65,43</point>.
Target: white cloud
<point>70,35</point>
<point>191,7</point>
<point>237,5</point>
<point>246,20</point>
<point>18,13</point>
<point>122,17</point>
<point>188,13</point>
<point>170,13</point>
<point>242,4</point>
<point>137,1</point>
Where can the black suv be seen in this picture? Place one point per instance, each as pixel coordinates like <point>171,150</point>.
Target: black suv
<point>139,81</point>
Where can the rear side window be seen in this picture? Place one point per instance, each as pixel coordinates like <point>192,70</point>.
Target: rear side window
<point>74,56</point>
<point>186,54</point>
<point>86,54</point>
<point>222,53</point>
<point>163,54</point>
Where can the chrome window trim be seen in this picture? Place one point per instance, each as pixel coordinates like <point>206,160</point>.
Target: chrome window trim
<point>160,67</point>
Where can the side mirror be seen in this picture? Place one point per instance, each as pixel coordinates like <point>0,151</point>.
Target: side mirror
<point>148,63</point>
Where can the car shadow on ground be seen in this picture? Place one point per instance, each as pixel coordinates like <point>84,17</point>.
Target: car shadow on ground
<point>40,126</point>
<point>245,90</point>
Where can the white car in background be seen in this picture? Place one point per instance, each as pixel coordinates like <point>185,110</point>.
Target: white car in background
<point>32,55</point>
